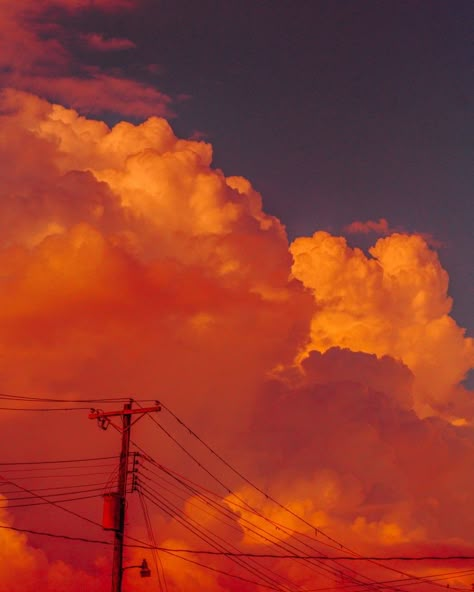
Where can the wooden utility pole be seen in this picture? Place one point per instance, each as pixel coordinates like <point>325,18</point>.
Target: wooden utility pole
<point>103,418</point>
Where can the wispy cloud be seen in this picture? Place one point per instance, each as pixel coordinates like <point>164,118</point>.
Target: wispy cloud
<point>34,57</point>
<point>98,42</point>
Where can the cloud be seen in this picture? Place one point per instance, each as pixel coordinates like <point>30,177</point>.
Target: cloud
<point>129,265</point>
<point>36,56</point>
<point>99,93</point>
<point>98,42</point>
<point>146,220</point>
<point>362,464</point>
<point>24,568</point>
<point>380,227</point>
<point>393,302</point>
<point>84,4</point>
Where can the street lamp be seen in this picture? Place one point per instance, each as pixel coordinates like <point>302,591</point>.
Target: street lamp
<point>145,571</point>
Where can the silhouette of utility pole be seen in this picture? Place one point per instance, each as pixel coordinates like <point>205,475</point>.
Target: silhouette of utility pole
<point>115,503</point>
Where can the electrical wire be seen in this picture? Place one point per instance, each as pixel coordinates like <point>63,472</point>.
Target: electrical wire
<point>44,409</point>
<point>79,490</point>
<point>200,533</point>
<point>166,504</point>
<point>444,575</point>
<point>326,569</point>
<point>257,555</point>
<point>68,468</point>
<point>70,499</point>
<point>102,485</point>
<point>203,533</point>
<point>42,399</point>
<point>53,503</point>
<point>55,535</point>
<point>265,494</point>
<point>108,543</point>
<point>402,582</point>
<point>56,476</point>
<point>221,572</point>
<point>371,583</point>
<point>160,572</point>
<point>47,462</point>
<point>258,533</point>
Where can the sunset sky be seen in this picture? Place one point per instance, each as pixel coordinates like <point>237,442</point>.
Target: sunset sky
<point>259,213</point>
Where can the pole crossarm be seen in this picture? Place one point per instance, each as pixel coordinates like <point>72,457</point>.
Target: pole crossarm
<point>99,413</point>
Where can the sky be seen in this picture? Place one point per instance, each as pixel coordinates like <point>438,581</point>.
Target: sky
<point>259,214</point>
<point>336,111</point>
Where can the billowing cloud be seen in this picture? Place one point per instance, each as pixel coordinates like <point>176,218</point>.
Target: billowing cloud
<point>393,302</point>
<point>163,247</point>
<point>129,265</point>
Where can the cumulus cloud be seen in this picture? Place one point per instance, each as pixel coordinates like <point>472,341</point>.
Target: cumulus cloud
<point>362,463</point>
<point>130,266</point>
<point>164,247</point>
<point>392,302</point>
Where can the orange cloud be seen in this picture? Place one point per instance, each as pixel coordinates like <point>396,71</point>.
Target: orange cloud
<point>393,303</point>
<point>380,227</point>
<point>24,568</point>
<point>134,215</point>
<point>383,228</point>
<point>130,266</point>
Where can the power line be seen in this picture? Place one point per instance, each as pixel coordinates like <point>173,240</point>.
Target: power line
<point>265,494</point>
<point>165,550</point>
<point>44,409</point>
<point>215,541</point>
<point>43,399</point>
<point>282,544</point>
<point>70,499</point>
<point>254,529</point>
<point>56,476</point>
<point>256,555</point>
<point>331,557</point>
<point>405,582</point>
<point>55,535</point>
<point>249,526</point>
<point>60,468</point>
<point>160,572</point>
<point>79,489</point>
<point>250,507</point>
<point>320,568</point>
<point>173,552</point>
<point>297,556</point>
<point>222,572</point>
<point>2,478</point>
<point>46,462</point>
<point>101,484</point>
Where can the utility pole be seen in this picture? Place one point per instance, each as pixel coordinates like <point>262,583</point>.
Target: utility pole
<point>120,496</point>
